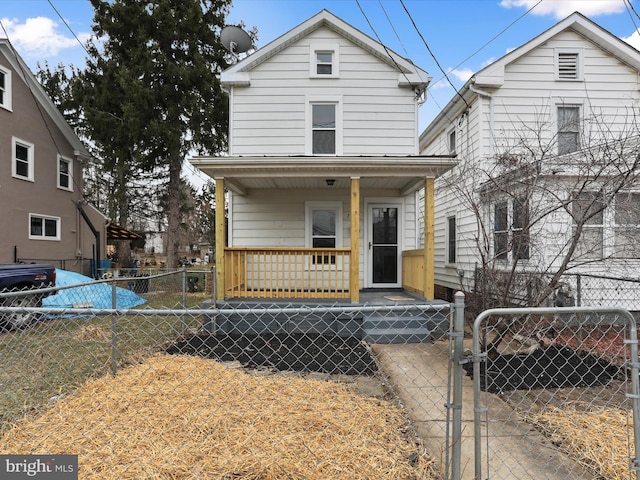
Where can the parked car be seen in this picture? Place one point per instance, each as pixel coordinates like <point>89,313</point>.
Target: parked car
<point>27,278</point>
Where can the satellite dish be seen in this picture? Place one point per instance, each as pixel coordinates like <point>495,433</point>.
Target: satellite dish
<point>235,39</point>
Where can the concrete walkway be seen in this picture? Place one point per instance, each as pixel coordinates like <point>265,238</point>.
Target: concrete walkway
<point>419,372</point>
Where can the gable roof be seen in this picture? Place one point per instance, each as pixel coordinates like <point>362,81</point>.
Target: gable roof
<point>492,76</point>
<point>21,69</point>
<point>410,73</point>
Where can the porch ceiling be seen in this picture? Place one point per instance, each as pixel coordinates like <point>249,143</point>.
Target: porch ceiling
<point>400,173</point>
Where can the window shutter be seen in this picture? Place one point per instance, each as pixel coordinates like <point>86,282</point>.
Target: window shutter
<point>568,66</point>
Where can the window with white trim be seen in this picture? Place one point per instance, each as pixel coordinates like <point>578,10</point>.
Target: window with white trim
<point>323,228</point>
<point>627,225</point>
<point>22,159</point>
<point>452,141</point>
<point>568,128</point>
<point>43,227</point>
<point>65,173</point>
<point>511,229</point>
<point>323,128</point>
<point>5,88</point>
<point>587,209</point>
<point>451,240</point>
<point>324,61</point>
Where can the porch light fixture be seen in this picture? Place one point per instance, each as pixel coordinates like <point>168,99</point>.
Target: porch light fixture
<point>330,181</point>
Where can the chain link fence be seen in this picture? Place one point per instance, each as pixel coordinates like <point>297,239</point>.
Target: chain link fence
<point>144,375</point>
<point>165,388</point>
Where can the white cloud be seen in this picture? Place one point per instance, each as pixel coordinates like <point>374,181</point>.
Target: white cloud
<point>633,39</point>
<point>38,37</point>
<point>462,75</point>
<point>564,8</point>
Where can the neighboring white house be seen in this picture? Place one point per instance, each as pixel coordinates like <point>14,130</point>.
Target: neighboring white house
<point>323,168</point>
<point>546,139</point>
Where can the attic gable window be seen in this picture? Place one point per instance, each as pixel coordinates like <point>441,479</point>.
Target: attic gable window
<point>5,88</point>
<point>324,61</point>
<point>568,65</point>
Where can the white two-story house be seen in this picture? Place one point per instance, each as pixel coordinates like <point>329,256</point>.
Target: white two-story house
<point>324,170</point>
<point>545,188</point>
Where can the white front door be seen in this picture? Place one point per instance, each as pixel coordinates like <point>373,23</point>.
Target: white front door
<point>383,246</point>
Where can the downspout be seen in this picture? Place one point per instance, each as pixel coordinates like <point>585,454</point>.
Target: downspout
<point>95,232</point>
<point>482,93</point>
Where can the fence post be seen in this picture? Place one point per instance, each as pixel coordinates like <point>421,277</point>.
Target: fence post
<point>458,375</point>
<point>114,331</point>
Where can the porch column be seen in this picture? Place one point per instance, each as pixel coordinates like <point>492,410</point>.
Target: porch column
<point>354,257</point>
<point>429,239</point>
<point>220,239</point>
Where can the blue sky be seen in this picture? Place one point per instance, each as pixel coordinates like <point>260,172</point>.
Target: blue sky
<point>463,35</point>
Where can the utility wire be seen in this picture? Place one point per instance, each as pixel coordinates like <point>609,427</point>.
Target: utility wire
<point>629,7</point>
<point>69,28</point>
<point>492,39</point>
<point>384,46</point>
<point>431,53</point>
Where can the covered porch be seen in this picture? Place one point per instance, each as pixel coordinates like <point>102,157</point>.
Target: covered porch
<point>307,273</point>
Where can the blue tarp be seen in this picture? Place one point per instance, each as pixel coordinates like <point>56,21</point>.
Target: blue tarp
<point>95,295</point>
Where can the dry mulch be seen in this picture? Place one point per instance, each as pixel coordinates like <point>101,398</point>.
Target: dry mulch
<point>179,417</point>
<point>595,436</point>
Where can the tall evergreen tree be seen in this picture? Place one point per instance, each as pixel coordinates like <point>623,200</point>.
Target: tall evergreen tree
<point>152,93</point>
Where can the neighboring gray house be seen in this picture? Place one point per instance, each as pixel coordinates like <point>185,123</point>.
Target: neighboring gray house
<point>323,169</point>
<point>43,216</point>
<point>547,141</point>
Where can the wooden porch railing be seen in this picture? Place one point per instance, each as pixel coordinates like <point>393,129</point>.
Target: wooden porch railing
<point>287,272</point>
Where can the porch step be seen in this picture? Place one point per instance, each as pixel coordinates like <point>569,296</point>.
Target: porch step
<point>412,326</point>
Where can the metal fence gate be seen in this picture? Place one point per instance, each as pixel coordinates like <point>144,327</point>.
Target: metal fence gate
<point>555,393</point>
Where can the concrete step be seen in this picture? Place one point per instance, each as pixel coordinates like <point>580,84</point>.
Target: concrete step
<point>397,335</point>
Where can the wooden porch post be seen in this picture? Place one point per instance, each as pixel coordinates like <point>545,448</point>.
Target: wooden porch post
<point>220,239</point>
<point>354,257</point>
<point>429,239</point>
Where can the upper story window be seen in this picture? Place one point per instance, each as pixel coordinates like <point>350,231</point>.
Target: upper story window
<point>568,64</point>
<point>324,61</point>
<point>568,128</point>
<point>5,88</point>
<point>324,128</point>
<point>452,141</point>
<point>65,173</point>
<point>43,227</point>
<point>22,159</point>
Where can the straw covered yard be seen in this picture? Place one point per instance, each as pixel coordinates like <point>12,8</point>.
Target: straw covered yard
<point>186,417</point>
<point>595,436</point>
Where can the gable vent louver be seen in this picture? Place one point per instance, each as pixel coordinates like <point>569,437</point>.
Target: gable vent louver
<point>568,66</point>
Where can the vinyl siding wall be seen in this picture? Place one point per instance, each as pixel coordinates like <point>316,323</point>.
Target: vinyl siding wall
<point>276,218</point>
<point>268,118</point>
<point>525,107</point>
